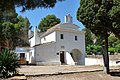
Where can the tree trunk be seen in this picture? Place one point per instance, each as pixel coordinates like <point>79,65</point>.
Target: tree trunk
<point>0,47</point>
<point>105,55</point>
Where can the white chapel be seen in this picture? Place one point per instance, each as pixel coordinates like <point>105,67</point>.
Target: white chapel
<point>64,44</point>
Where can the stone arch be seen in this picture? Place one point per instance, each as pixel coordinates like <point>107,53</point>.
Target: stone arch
<point>77,56</point>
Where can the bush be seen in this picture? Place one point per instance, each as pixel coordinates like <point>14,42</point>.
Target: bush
<point>8,63</point>
<point>117,47</point>
<point>111,50</point>
<point>93,49</point>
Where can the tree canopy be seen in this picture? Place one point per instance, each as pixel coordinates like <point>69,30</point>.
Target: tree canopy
<point>8,16</point>
<point>48,22</point>
<point>92,42</point>
<point>12,34</point>
<point>88,37</point>
<point>28,4</point>
<point>22,27</point>
<point>100,16</point>
<point>113,44</point>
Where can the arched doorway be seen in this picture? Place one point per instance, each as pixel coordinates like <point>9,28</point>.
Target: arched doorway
<point>77,56</point>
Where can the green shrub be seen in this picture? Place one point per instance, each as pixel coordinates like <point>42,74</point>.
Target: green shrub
<point>8,63</point>
<point>117,47</point>
<point>111,50</point>
<point>93,49</point>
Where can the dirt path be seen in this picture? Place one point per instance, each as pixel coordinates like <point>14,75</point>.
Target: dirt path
<point>37,70</point>
<point>78,76</point>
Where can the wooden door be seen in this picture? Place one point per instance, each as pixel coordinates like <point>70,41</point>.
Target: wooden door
<point>22,58</point>
<point>62,57</point>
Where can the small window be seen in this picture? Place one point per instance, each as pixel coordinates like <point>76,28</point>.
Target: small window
<point>61,36</point>
<point>76,38</point>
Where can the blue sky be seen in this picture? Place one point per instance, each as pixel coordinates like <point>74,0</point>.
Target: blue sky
<point>60,10</point>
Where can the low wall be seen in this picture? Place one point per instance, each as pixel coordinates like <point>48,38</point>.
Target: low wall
<point>111,57</point>
<point>98,60</point>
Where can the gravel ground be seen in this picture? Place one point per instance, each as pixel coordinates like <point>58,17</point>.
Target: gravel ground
<point>78,76</point>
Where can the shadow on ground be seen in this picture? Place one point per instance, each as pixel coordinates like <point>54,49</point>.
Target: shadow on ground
<point>115,72</point>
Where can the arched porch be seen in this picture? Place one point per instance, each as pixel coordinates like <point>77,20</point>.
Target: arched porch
<point>77,56</point>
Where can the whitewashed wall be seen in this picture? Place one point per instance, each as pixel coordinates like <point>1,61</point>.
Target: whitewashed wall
<point>49,38</point>
<point>27,56</point>
<point>46,54</point>
<point>69,26</point>
<point>35,39</point>
<point>32,41</point>
<point>69,43</point>
<point>96,61</point>
<point>68,59</point>
<point>32,56</point>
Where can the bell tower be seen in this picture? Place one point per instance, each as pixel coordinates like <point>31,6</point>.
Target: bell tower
<point>68,19</point>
